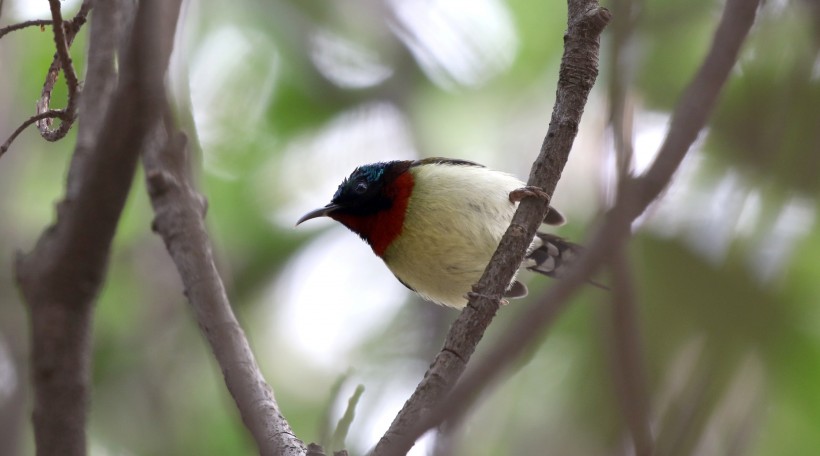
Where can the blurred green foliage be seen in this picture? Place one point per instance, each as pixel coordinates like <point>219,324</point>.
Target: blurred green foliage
<point>730,325</point>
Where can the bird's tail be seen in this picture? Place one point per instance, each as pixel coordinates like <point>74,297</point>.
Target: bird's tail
<point>553,256</point>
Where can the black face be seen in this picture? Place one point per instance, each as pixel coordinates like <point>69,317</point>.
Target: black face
<point>362,193</point>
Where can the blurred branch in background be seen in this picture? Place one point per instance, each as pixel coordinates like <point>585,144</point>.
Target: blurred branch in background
<point>626,354</point>
<point>621,109</point>
<point>694,106</point>
<point>64,34</point>
<point>326,429</point>
<point>343,426</point>
<point>629,371</point>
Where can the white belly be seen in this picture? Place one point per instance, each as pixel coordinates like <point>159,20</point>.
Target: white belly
<point>455,219</point>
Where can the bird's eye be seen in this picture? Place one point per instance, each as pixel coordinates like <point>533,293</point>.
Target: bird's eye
<point>360,188</point>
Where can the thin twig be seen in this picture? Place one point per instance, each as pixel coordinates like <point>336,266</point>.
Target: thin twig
<point>54,113</point>
<point>579,69</point>
<point>621,113</point>
<point>689,117</point>
<point>325,432</point>
<point>61,43</point>
<point>35,23</point>
<point>337,443</point>
<point>64,34</point>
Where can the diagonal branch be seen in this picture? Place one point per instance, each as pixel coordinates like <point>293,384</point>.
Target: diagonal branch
<point>689,118</point>
<point>699,98</point>
<point>179,220</point>
<point>579,69</point>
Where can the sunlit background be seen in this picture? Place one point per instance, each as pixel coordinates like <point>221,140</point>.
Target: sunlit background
<point>284,98</point>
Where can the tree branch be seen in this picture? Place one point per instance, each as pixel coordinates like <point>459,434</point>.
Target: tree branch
<point>62,275</point>
<point>579,69</point>
<point>13,27</point>
<point>179,221</point>
<point>628,371</point>
<point>627,360</point>
<point>343,426</point>
<point>699,98</point>
<point>61,42</point>
<point>64,34</point>
<point>63,37</point>
<point>620,108</point>
<point>54,113</point>
<point>689,117</point>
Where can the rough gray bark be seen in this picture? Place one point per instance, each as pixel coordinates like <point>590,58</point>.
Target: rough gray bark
<point>179,220</point>
<point>61,277</point>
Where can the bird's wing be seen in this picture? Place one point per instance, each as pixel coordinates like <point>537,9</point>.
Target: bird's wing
<point>516,290</point>
<point>554,217</point>
<point>445,161</point>
<point>405,284</point>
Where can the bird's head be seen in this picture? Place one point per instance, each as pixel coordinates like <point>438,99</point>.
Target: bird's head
<point>371,202</point>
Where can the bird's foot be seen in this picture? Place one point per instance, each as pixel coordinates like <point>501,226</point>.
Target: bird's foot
<point>528,191</point>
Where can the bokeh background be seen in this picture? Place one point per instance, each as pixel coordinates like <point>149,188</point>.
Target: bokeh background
<point>284,98</point>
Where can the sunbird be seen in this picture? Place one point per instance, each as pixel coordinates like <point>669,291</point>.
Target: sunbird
<point>436,223</point>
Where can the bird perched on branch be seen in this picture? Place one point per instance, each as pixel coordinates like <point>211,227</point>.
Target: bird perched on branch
<point>437,222</point>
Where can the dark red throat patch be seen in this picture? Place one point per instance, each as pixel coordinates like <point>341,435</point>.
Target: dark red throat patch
<point>381,228</point>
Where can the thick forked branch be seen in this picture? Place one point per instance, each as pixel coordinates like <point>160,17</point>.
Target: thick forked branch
<point>579,69</point>
<point>61,277</point>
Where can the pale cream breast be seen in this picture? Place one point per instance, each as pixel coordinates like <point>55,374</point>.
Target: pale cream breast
<point>455,219</point>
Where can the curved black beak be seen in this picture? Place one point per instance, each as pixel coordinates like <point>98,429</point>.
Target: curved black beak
<point>321,212</point>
